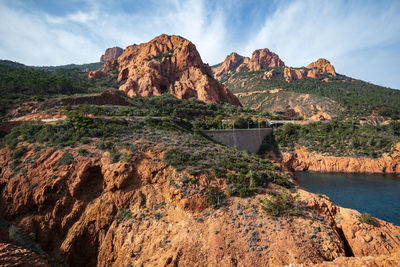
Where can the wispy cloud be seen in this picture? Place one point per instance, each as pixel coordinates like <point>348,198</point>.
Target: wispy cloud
<point>351,34</point>
<point>357,36</point>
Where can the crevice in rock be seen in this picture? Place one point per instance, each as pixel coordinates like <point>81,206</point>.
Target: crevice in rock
<point>347,249</point>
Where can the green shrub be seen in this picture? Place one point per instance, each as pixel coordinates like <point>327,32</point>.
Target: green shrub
<point>216,198</point>
<point>66,159</point>
<point>83,152</point>
<point>282,204</point>
<point>115,155</point>
<point>18,153</point>
<point>366,218</point>
<point>125,214</point>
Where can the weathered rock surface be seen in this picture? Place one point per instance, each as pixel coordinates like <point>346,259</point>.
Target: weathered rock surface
<point>230,63</point>
<point>97,213</point>
<point>111,65</point>
<point>323,66</point>
<point>294,74</point>
<point>302,160</point>
<point>12,255</point>
<point>314,71</point>
<point>97,74</point>
<point>111,54</point>
<point>169,64</point>
<point>261,58</point>
<point>268,75</point>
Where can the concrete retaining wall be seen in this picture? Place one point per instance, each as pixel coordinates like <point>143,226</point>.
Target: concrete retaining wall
<point>242,139</point>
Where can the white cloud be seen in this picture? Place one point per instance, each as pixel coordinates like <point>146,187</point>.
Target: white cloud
<point>302,31</point>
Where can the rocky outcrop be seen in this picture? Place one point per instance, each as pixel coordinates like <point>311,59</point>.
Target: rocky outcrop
<point>169,64</point>
<point>291,74</point>
<point>230,63</point>
<point>111,65</point>
<point>313,71</point>
<point>97,74</point>
<point>111,54</point>
<point>12,255</point>
<point>302,160</point>
<point>143,212</point>
<point>262,58</point>
<point>268,75</point>
<point>323,66</point>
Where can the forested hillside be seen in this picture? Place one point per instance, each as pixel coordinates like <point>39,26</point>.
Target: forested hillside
<point>357,98</point>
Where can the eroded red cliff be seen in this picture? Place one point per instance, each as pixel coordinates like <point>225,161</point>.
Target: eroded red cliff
<point>169,64</point>
<point>302,159</point>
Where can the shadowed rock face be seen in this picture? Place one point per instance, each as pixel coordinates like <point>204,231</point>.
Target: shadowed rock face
<point>111,54</point>
<point>169,64</point>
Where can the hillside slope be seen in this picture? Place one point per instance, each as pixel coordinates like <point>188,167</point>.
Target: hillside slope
<point>302,89</point>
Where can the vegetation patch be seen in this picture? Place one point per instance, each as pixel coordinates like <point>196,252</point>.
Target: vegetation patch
<point>367,218</point>
<point>282,204</point>
<point>216,198</point>
<point>340,138</point>
<point>66,159</point>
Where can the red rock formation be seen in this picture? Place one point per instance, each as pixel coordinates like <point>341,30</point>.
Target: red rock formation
<point>12,255</point>
<point>313,74</point>
<point>290,74</point>
<point>111,65</point>
<point>262,58</point>
<point>302,160</point>
<point>268,75</point>
<point>90,213</point>
<point>169,64</point>
<point>323,66</point>
<point>230,63</point>
<point>317,68</point>
<point>111,54</point>
<point>97,74</point>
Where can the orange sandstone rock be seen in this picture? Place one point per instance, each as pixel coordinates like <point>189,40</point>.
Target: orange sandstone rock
<point>111,54</point>
<point>268,75</point>
<point>97,74</point>
<point>291,74</point>
<point>262,58</point>
<point>302,159</point>
<point>169,64</point>
<point>230,63</point>
<point>323,66</point>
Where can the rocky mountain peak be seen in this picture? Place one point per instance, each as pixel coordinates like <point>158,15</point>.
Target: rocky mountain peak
<point>111,54</point>
<point>169,64</point>
<point>262,58</point>
<point>323,65</point>
<point>231,62</point>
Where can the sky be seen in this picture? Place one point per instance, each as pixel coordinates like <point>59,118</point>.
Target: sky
<point>361,38</point>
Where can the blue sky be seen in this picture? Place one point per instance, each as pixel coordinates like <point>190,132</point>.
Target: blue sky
<point>360,38</point>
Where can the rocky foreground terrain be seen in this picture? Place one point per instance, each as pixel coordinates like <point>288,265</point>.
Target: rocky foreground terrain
<point>162,200</point>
